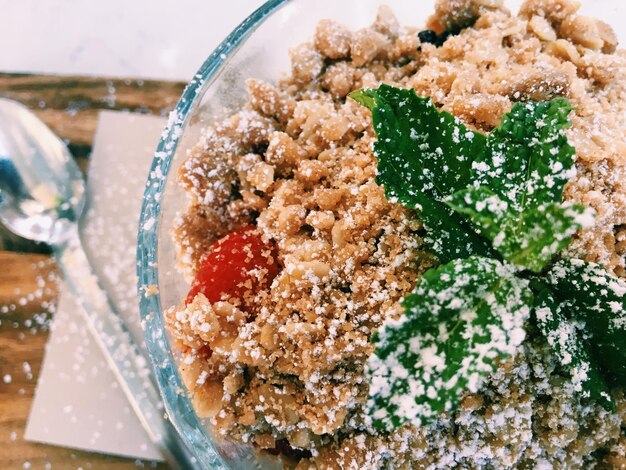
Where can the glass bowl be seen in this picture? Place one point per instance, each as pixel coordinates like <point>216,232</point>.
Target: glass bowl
<point>257,48</point>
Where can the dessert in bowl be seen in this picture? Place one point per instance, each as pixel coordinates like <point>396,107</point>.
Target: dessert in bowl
<point>371,253</point>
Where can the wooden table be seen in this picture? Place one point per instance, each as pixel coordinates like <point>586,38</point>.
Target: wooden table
<point>28,293</point>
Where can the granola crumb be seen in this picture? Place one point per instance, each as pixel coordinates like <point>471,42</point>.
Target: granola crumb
<point>152,289</point>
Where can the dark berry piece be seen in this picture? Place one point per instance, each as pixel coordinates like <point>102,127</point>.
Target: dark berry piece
<point>442,38</point>
<point>428,36</point>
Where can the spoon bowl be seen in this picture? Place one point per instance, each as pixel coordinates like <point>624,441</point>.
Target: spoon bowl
<point>42,192</point>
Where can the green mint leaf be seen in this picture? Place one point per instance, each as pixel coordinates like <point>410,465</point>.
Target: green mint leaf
<point>569,339</point>
<point>448,236</point>
<point>423,156</point>
<point>531,238</point>
<point>431,150</point>
<point>598,299</point>
<point>528,159</point>
<point>517,191</point>
<point>460,322</point>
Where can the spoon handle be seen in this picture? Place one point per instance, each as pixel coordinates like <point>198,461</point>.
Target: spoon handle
<point>121,352</point>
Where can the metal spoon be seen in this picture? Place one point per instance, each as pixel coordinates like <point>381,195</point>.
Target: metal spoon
<point>42,195</point>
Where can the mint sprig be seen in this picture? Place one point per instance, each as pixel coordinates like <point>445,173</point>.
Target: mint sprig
<point>492,207</point>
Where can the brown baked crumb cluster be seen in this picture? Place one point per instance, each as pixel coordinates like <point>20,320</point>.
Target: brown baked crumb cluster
<point>297,162</point>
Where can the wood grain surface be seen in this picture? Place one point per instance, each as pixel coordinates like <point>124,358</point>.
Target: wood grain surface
<point>28,293</point>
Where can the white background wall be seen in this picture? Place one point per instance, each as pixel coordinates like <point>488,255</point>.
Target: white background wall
<point>165,39</point>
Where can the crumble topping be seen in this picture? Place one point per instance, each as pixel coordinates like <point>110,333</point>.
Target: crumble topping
<point>297,162</point>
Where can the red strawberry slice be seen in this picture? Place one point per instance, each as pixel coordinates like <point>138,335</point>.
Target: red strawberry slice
<point>236,267</point>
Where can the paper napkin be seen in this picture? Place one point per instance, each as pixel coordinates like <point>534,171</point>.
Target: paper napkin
<point>78,402</point>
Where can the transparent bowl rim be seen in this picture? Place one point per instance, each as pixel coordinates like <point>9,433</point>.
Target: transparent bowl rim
<point>168,378</point>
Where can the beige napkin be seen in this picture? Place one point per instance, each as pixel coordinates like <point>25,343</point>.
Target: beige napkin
<point>78,402</point>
